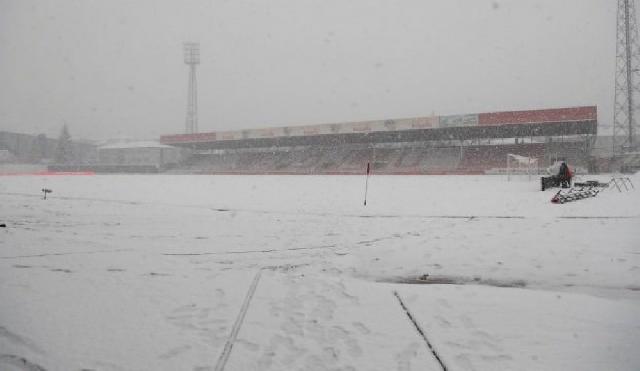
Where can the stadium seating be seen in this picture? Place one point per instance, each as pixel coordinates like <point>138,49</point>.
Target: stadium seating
<point>348,159</point>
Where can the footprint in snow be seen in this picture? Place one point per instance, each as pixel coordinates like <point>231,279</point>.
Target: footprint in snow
<point>364,330</point>
<point>174,352</point>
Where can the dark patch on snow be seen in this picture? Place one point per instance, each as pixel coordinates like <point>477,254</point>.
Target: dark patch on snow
<point>157,274</point>
<point>285,267</point>
<point>61,270</point>
<point>599,217</point>
<point>377,216</point>
<point>369,242</point>
<point>467,217</point>
<point>427,279</point>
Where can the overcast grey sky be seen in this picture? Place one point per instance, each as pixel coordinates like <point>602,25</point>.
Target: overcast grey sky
<point>114,68</point>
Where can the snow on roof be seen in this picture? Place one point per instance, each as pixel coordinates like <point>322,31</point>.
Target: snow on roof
<point>145,144</point>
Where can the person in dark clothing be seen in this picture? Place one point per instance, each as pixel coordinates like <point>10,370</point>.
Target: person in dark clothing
<point>564,175</point>
<point>561,179</point>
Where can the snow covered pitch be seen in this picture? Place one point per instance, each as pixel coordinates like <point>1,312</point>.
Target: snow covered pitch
<point>159,272</point>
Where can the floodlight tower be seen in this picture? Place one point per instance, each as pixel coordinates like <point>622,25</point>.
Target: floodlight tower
<point>627,96</point>
<point>192,58</point>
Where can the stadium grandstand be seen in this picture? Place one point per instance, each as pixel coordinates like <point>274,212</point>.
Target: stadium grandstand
<point>456,144</point>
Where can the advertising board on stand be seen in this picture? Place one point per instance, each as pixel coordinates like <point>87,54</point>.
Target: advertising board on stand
<point>360,127</point>
<point>458,121</point>
<point>228,135</point>
<point>430,122</point>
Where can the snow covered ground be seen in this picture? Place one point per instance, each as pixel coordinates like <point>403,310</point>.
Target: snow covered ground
<point>158,272</point>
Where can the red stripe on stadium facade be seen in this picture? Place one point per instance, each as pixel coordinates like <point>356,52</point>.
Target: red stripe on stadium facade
<point>538,116</point>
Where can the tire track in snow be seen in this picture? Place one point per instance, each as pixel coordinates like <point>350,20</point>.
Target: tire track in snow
<point>20,362</point>
<point>226,352</point>
<point>420,331</point>
<point>65,253</point>
<point>249,251</point>
<point>19,340</point>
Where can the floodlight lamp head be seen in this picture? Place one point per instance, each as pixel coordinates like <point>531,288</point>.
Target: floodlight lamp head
<point>191,53</point>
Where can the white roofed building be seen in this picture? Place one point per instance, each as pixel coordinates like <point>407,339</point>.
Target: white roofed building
<point>147,153</point>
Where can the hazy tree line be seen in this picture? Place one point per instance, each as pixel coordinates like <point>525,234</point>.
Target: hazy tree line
<point>39,148</point>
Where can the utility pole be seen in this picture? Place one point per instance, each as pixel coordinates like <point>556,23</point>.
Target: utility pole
<point>192,59</point>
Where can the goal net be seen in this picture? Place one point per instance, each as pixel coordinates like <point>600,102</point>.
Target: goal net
<point>521,165</point>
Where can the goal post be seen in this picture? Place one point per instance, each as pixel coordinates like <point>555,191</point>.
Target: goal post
<point>521,165</point>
